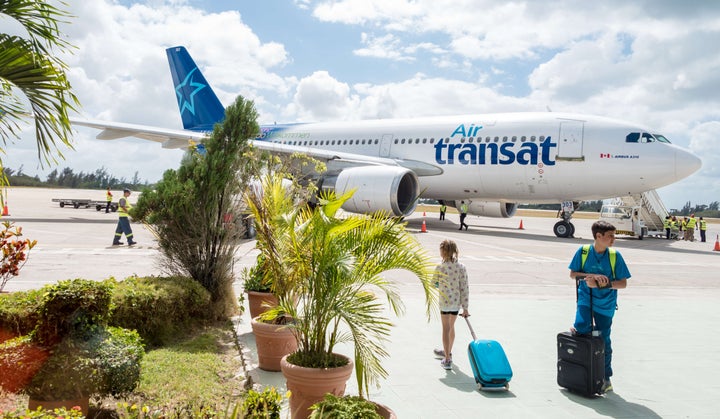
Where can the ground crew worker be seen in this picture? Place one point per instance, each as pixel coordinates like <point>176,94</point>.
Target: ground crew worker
<point>666,226</point>
<point>674,228</point>
<point>703,228</point>
<point>123,225</point>
<point>683,228</point>
<point>463,214</point>
<point>443,208</point>
<point>691,228</point>
<point>108,198</point>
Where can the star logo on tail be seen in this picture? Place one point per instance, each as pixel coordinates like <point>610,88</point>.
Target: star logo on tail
<point>186,92</point>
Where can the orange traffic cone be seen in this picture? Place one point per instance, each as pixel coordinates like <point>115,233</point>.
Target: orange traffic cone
<point>717,244</point>
<point>423,229</point>
<point>521,226</point>
<point>5,212</point>
<point>423,213</point>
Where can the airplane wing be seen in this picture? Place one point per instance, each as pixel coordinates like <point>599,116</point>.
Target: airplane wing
<point>172,138</point>
<point>168,138</point>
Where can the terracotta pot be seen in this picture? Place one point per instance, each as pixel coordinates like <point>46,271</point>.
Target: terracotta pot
<point>384,411</point>
<point>83,403</point>
<point>273,342</point>
<point>309,385</point>
<point>258,302</point>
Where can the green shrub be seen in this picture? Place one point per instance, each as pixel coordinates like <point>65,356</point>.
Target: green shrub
<point>72,306</point>
<point>262,405</point>
<point>119,354</point>
<point>104,361</point>
<point>346,407</point>
<point>157,307</point>
<point>19,312</point>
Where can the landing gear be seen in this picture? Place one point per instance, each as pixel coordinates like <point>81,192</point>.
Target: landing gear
<point>564,229</point>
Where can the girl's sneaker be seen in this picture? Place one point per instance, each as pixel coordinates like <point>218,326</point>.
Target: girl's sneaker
<point>446,363</point>
<point>439,352</point>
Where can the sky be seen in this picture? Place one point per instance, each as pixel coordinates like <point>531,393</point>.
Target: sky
<point>652,62</point>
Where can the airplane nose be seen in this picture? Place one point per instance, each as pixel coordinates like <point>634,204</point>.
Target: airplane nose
<point>686,163</point>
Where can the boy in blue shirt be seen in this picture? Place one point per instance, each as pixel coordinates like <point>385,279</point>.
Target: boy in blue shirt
<point>604,271</point>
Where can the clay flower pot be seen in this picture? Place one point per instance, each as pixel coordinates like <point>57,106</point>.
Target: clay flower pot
<point>308,386</point>
<point>273,342</point>
<point>258,302</point>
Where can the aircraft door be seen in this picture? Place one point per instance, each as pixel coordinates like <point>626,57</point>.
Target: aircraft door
<point>570,143</point>
<point>385,145</point>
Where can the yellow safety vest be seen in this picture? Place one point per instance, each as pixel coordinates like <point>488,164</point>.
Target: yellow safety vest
<point>108,196</point>
<point>666,223</point>
<point>703,225</point>
<point>612,255</point>
<point>691,223</point>
<point>463,208</point>
<point>121,212</point>
<point>443,208</point>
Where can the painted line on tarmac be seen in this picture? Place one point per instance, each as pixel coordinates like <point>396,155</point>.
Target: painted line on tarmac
<point>97,251</point>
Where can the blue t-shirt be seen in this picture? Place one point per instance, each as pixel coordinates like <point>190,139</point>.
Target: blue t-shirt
<point>604,300</point>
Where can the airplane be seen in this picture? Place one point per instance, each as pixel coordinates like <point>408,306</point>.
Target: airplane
<point>492,162</point>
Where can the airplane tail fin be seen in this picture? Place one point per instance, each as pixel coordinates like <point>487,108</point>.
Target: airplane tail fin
<point>200,108</point>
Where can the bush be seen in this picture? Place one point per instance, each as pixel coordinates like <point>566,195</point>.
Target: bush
<point>19,313</point>
<point>106,363</point>
<point>119,353</point>
<point>265,404</point>
<point>157,307</point>
<point>346,407</point>
<point>72,306</point>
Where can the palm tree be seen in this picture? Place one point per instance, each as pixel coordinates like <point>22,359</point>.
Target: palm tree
<point>30,67</point>
<point>332,269</point>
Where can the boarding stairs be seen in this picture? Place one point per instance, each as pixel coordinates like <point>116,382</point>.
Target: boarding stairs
<point>652,209</point>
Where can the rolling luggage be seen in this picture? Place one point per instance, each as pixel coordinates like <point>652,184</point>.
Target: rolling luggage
<point>489,363</point>
<point>581,361</point>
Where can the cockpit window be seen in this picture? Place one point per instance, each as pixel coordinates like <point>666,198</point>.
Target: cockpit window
<point>647,138</point>
<point>632,137</point>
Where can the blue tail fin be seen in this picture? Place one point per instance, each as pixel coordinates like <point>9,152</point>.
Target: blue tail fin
<point>200,108</point>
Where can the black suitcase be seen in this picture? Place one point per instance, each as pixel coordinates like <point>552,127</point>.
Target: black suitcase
<point>581,363</point>
<point>581,360</point>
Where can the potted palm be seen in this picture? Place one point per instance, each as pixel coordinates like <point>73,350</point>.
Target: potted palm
<point>259,293</point>
<point>268,202</point>
<point>334,269</point>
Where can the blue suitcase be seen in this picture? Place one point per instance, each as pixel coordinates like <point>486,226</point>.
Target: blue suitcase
<point>489,363</point>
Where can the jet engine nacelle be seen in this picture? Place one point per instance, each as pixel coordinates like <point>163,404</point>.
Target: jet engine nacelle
<point>378,188</point>
<point>491,209</point>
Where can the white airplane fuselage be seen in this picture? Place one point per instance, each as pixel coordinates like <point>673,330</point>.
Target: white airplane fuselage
<point>514,157</point>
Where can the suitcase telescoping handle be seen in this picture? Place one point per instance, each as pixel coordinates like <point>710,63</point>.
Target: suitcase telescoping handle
<point>472,332</point>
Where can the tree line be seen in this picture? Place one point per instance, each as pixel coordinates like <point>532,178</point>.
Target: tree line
<point>67,178</point>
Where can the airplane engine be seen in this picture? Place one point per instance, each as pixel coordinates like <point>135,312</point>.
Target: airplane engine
<point>379,188</point>
<point>491,209</point>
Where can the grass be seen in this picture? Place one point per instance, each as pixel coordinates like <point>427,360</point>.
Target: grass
<point>200,371</point>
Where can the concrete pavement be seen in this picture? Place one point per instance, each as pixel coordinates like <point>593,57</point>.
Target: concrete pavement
<point>666,356</point>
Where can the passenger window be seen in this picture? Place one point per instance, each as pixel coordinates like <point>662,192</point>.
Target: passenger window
<point>514,139</point>
<point>633,137</point>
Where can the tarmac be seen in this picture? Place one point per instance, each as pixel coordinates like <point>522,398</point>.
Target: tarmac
<point>665,334</point>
